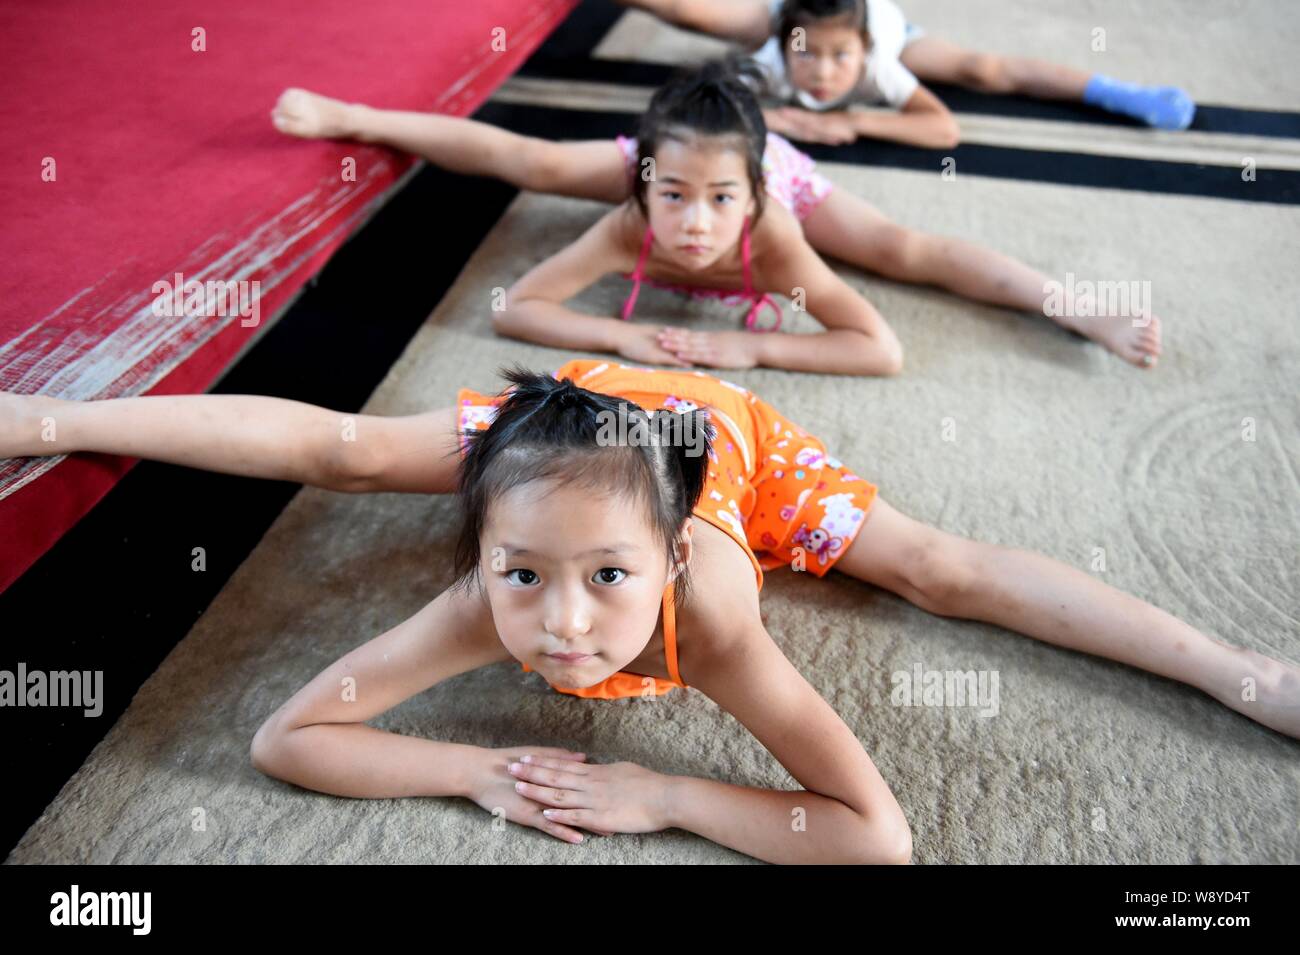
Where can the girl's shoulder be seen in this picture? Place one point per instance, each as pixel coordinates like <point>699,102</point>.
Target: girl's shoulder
<point>609,244</point>
<point>723,598</point>
<point>773,238</point>
<point>626,227</point>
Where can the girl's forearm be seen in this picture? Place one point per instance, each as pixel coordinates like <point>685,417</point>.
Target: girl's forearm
<point>548,323</point>
<point>786,827</point>
<point>354,759</point>
<point>928,130</point>
<point>838,351</point>
<point>249,435</point>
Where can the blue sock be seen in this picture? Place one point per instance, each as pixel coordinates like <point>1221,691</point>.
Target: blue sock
<point>1166,107</point>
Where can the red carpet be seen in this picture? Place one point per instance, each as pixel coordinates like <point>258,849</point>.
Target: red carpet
<point>133,157</point>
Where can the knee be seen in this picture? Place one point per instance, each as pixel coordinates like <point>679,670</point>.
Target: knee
<point>985,72</point>
<point>940,573</point>
<point>902,252</point>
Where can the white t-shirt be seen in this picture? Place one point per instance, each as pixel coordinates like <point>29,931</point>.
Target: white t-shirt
<point>884,78</point>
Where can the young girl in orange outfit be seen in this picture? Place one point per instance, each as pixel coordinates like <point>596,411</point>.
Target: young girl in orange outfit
<point>821,56</point>
<point>692,210</point>
<point>616,525</point>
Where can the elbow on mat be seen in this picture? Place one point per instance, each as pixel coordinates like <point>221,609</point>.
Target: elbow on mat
<point>262,751</point>
<point>887,843</point>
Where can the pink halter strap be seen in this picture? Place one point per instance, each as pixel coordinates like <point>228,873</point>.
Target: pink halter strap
<point>637,274</point>
<point>760,302</point>
<point>767,300</point>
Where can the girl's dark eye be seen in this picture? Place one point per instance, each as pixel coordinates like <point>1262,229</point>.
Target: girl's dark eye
<point>672,195</point>
<point>527,575</point>
<point>723,200</point>
<point>602,575</point>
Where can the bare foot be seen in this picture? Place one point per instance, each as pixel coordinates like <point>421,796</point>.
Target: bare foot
<point>312,116</point>
<point>1137,344</point>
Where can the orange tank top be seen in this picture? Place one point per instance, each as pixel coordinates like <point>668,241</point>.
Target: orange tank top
<point>622,684</point>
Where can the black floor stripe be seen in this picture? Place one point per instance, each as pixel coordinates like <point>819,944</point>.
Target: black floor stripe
<point>1074,169</point>
<point>1209,118</point>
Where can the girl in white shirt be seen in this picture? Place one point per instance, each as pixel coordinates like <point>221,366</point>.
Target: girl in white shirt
<point>819,59</point>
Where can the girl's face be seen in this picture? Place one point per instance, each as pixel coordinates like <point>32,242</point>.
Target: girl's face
<point>830,63</point>
<point>568,571</point>
<point>698,200</point>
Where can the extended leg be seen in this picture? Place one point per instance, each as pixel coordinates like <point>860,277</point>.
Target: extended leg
<point>938,61</point>
<point>1053,602</point>
<point>745,21</point>
<point>851,229</point>
<point>935,60</point>
<point>249,435</point>
<point>591,169</point>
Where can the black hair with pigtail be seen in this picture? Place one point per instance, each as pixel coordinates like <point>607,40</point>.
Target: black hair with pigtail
<point>716,99</point>
<point>554,431</point>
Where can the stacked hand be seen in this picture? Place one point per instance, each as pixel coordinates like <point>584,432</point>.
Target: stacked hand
<point>713,349</point>
<point>831,127</point>
<point>558,792</point>
<point>682,348</point>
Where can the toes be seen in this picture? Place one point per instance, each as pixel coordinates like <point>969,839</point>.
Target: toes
<point>289,99</point>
